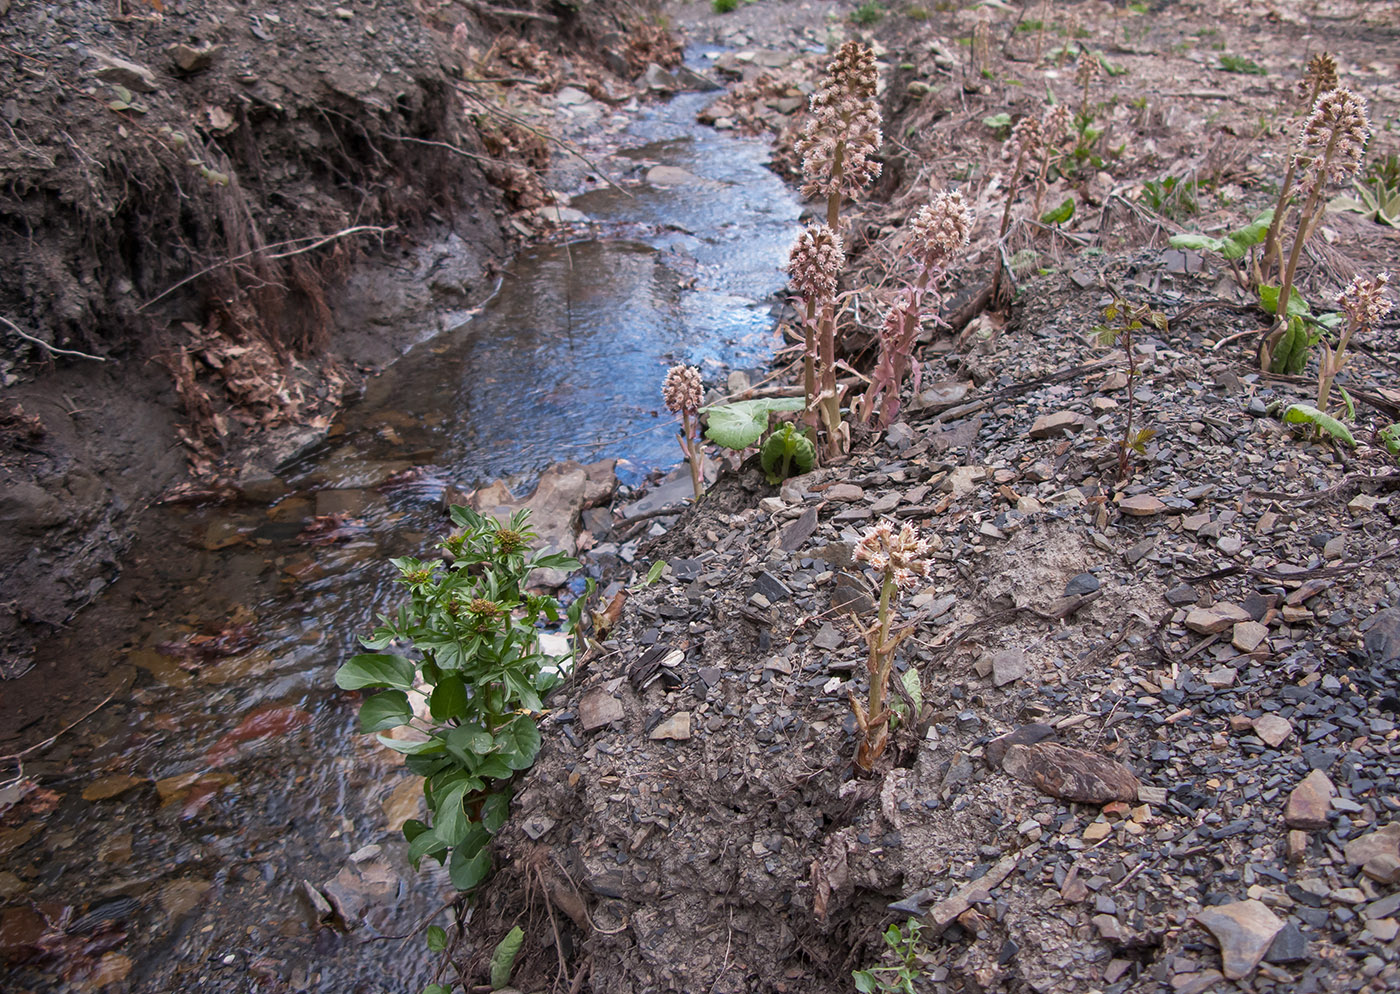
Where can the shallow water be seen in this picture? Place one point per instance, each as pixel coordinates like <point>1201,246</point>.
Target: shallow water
<point>244,772</point>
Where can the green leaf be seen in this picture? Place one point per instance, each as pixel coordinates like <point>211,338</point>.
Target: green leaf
<point>1197,243</point>
<point>449,698</point>
<point>1390,438</point>
<point>466,871</point>
<point>914,687</point>
<point>437,989</point>
<point>503,959</point>
<point>1237,243</point>
<point>427,843</point>
<point>495,810</point>
<point>654,574</point>
<point>865,981</point>
<point>741,424</point>
<point>519,742</point>
<point>470,739</point>
<point>1268,299</point>
<point>450,821</point>
<point>556,560</point>
<point>412,748</point>
<point>389,709</point>
<point>998,121</point>
<point>1298,414</point>
<point>375,669</point>
<point>437,938</point>
<point>1060,214</point>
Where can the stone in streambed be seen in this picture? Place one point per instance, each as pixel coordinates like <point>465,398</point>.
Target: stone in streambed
<point>1245,930</point>
<point>1071,774</point>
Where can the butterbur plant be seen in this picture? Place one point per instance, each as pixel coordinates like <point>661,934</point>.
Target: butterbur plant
<point>814,266</point>
<point>464,678</point>
<point>1364,302</point>
<point>1054,129</point>
<point>1319,77</point>
<point>899,559</point>
<point>1329,149</point>
<point>684,393</point>
<point>1122,320</point>
<point>1086,70</point>
<point>937,234</point>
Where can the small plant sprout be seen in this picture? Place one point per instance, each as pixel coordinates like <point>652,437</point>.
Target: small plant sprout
<point>1364,303</point>
<point>837,149</point>
<point>899,559</point>
<point>1329,149</point>
<point>1021,149</point>
<point>684,394</point>
<point>813,267</point>
<point>1122,320</point>
<point>938,233</point>
<point>912,963</point>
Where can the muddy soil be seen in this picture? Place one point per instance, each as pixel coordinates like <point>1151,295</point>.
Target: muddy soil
<point>218,220</point>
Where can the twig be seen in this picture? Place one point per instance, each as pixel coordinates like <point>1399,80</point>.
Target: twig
<point>524,15</point>
<point>66,728</point>
<point>53,349</point>
<point>474,156</point>
<point>316,242</point>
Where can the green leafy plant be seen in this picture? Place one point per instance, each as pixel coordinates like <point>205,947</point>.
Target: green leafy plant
<point>477,673</point>
<point>1123,320</point>
<point>1239,64</point>
<point>742,423</point>
<point>1390,439</point>
<point>1174,197</point>
<point>786,453</point>
<point>1378,199</point>
<point>1000,123</point>
<point>1306,414</point>
<point>1291,355</point>
<point>867,14</point>
<point>724,6</point>
<point>911,962</point>
<point>1060,214</point>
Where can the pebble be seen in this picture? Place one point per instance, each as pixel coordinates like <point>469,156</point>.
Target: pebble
<point>1142,506</point>
<point>1272,729</point>
<point>1248,635</point>
<point>1245,931</point>
<point>1008,666</point>
<point>1216,618</point>
<point>1310,802</point>
<point>1070,773</point>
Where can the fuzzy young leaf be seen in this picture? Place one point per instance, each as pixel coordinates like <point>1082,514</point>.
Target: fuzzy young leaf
<point>375,669</point>
<point>1298,414</point>
<point>1237,243</point>
<point>1061,214</point>
<point>787,452</point>
<point>914,688</point>
<point>998,121</point>
<point>389,709</point>
<point>1196,243</point>
<point>741,424</point>
<point>1390,438</point>
<point>1268,299</point>
<point>503,959</point>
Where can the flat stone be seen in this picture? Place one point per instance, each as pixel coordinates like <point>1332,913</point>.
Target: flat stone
<point>1008,666</point>
<point>1196,981</point>
<point>1084,583</point>
<point>1385,841</point>
<point>1383,869</point>
<point>796,534</point>
<point>1289,946</point>
<point>1248,635</point>
<point>111,786</point>
<point>844,492</point>
<point>1216,618</point>
<point>191,59</point>
<point>1181,595</point>
<point>1245,930</point>
<point>1071,774</point>
<point>121,72</point>
<point>1382,639</point>
<point>1221,677</point>
<point>598,708</point>
<point>1141,506</point>
<point>1310,802</point>
<point>676,727</point>
<point>1384,929</point>
<point>1272,729</point>
<point>995,750</point>
<point>1058,424</point>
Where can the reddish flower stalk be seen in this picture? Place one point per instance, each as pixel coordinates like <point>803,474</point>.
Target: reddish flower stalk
<point>684,393</point>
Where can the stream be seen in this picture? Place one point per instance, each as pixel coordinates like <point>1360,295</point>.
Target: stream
<point>166,845</point>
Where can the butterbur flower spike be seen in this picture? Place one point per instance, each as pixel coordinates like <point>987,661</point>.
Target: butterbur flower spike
<point>1329,149</point>
<point>814,265</point>
<point>1319,77</point>
<point>837,146</point>
<point>1365,303</point>
<point>683,393</point>
<point>941,230</point>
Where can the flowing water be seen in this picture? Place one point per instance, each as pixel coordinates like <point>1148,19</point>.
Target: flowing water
<point>172,830</point>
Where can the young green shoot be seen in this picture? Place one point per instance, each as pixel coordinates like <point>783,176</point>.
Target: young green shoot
<point>1122,320</point>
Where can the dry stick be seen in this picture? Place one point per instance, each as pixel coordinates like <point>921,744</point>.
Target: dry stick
<point>474,156</point>
<point>319,240</point>
<point>66,728</point>
<point>53,349</point>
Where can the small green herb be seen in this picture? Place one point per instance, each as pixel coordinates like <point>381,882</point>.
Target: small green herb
<point>1239,64</point>
<point>1300,414</point>
<point>785,453</point>
<point>911,962</point>
<point>724,6</point>
<point>868,13</point>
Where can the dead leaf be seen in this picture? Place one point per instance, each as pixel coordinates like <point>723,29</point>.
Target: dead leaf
<point>111,786</point>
